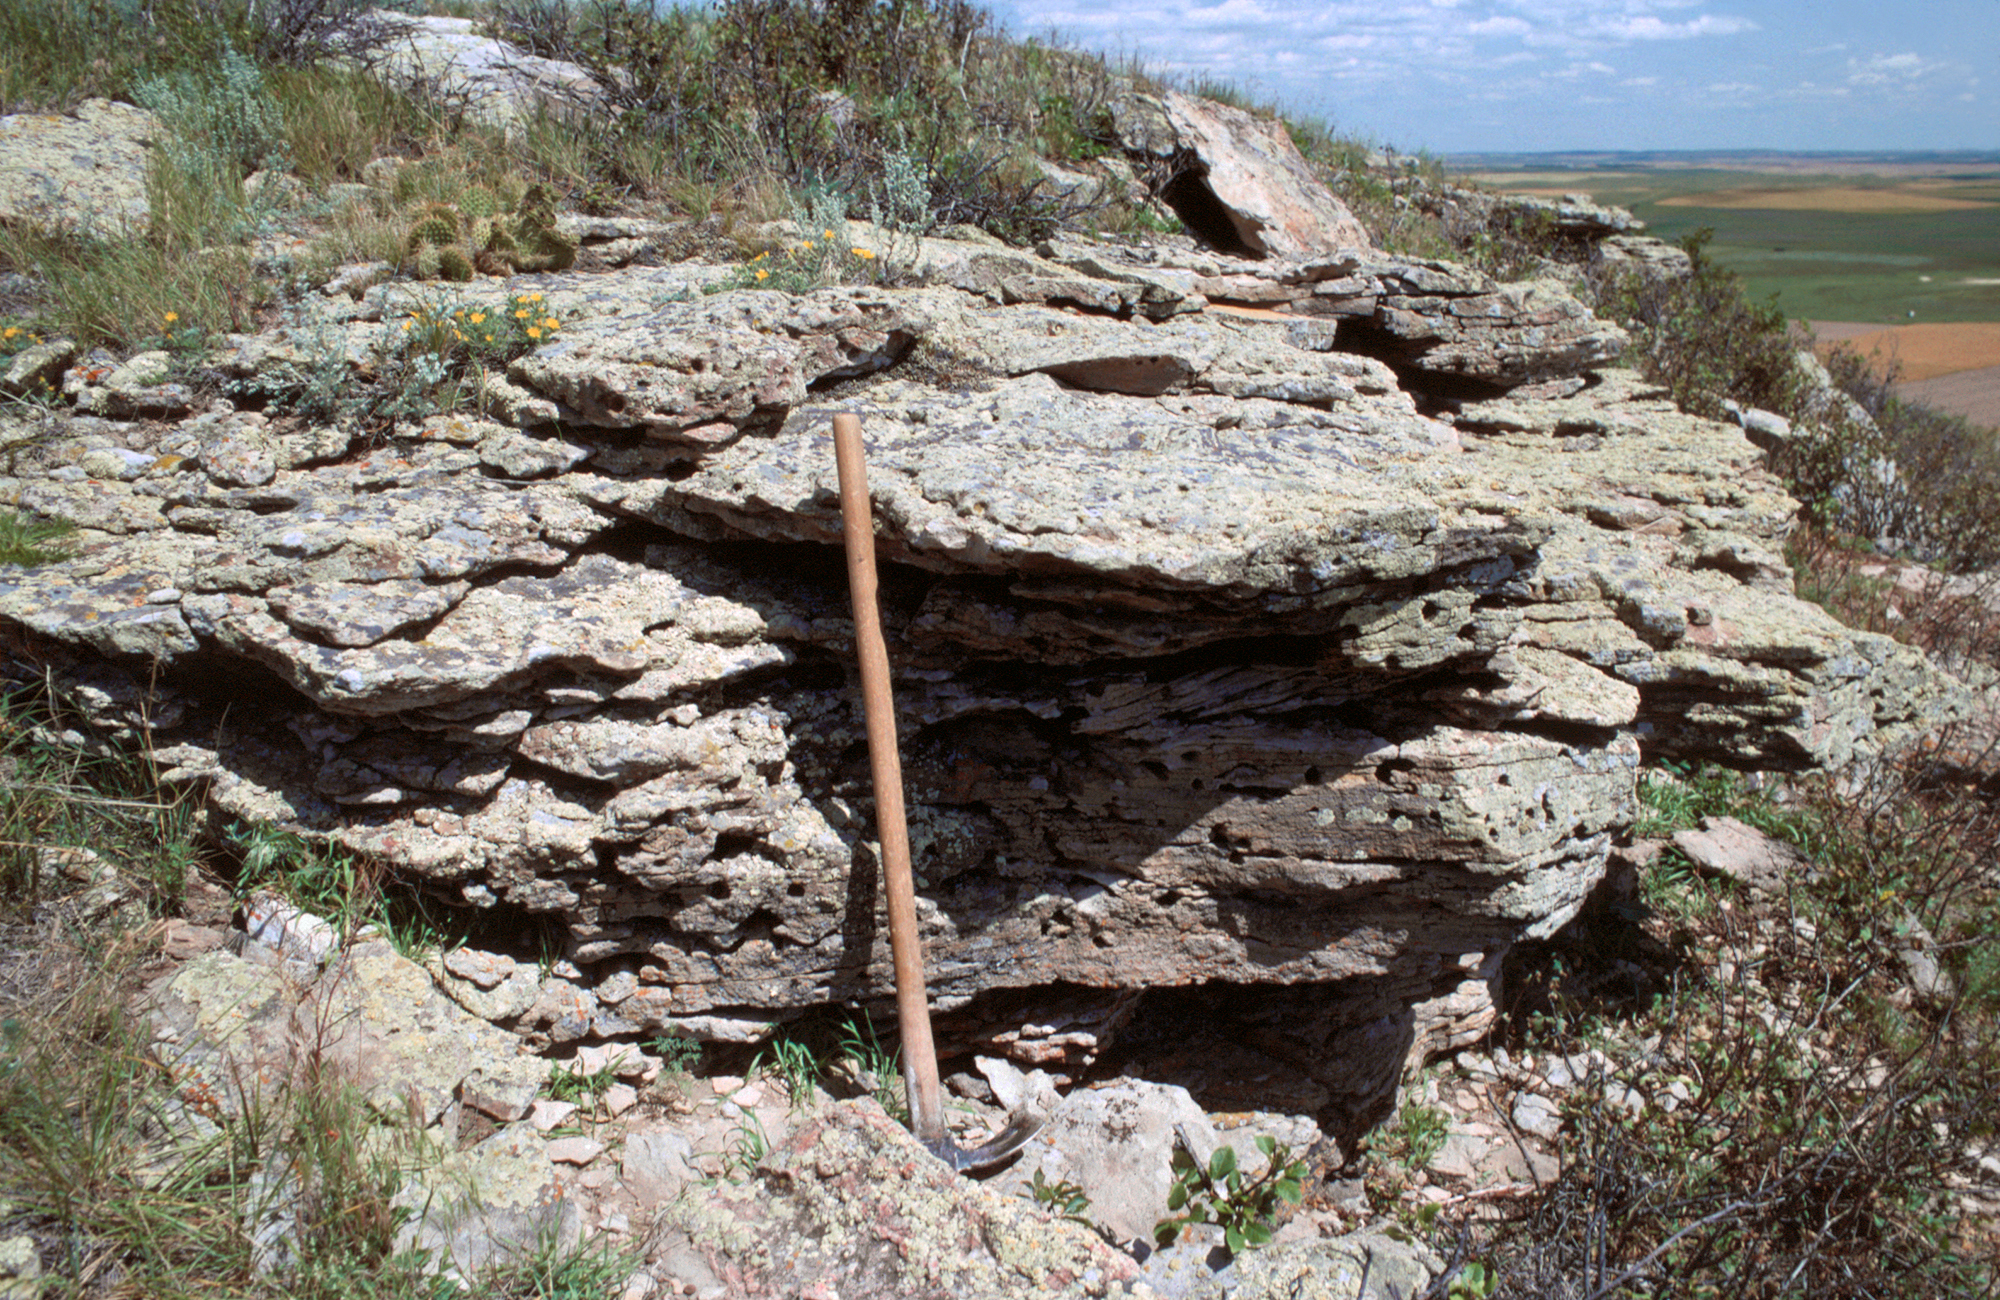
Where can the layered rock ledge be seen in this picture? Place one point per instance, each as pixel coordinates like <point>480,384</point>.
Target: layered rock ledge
<point>1242,643</point>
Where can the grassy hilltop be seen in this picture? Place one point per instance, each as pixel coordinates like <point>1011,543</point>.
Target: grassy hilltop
<point>1837,1127</point>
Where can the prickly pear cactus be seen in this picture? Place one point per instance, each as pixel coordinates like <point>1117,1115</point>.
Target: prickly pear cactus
<point>478,202</point>
<point>431,262</point>
<point>539,246</point>
<point>436,227</point>
<point>455,241</point>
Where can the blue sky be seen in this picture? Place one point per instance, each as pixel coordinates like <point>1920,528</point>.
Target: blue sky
<point>1501,75</point>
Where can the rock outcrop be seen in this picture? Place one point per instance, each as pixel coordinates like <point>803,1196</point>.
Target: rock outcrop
<point>80,173</point>
<point>1235,178</point>
<point>497,83</point>
<point>1292,625</point>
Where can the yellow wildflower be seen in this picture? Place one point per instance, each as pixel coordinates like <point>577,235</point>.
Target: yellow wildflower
<point>865,254</point>
<point>479,318</point>
<point>534,333</point>
<point>521,314</point>
<point>829,234</point>
<point>173,316</point>
<point>12,330</point>
<point>551,324</point>
<point>763,274</point>
<point>534,297</point>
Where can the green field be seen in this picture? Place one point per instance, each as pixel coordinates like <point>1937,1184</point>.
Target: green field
<point>1821,264</point>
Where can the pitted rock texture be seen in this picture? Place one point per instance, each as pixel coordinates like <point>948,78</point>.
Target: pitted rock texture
<point>849,1202</point>
<point>1228,658</point>
<point>81,173</point>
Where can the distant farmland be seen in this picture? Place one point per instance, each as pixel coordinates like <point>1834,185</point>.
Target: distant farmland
<point>1871,238</point>
<point>1858,243</point>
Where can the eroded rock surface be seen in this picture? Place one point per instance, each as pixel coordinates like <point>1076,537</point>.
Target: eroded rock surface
<point>1294,626</point>
<point>1240,180</point>
<point>80,173</point>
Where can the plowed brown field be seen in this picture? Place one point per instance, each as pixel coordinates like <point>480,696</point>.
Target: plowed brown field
<point>1954,367</point>
<point>1825,198</point>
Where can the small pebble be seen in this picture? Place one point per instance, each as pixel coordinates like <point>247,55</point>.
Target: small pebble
<point>575,1150</point>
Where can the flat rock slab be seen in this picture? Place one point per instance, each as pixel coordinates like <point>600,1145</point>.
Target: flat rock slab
<point>1728,847</point>
<point>1031,481</point>
<point>851,1200</point>
<point>376,1017</point>
<point>81,173</point>
<point>695,373</point>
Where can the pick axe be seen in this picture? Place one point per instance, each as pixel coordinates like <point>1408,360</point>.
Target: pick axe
<point>913,1012</point>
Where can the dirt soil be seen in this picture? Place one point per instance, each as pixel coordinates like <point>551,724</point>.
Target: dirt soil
<point>1827,198</point>
<point>1922,352</point>
<point>1974,394</point>
<point>1954,367</point>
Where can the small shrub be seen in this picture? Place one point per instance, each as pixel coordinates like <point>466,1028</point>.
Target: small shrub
<point>1415,1135</point>
<point>1219,1194</point>
<point>221,118</point>
<point>1805,1112</point>
<point>1700,339</point>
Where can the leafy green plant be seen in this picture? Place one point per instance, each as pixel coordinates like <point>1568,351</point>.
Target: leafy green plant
<point>186,344</point>
<point>799,267</point>
<point>1062,1198</point>
<point>323,880</point>
<point>678,1053</point>
<point>1473,1281</point>
<point>1416,1135</point>
<point>16,337</point>
<point>436,357</point>
<point>585,1088</point>
<point>27,541</point>
<point>1219,1194</point>
<point>749,1143</point>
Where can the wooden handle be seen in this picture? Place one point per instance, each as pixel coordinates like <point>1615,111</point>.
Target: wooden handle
<point>913,1013</point>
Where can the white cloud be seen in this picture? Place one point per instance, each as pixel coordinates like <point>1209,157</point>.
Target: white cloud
<point>1406,65</point>
<point>1645,27</point>
<point>1891,69</point>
